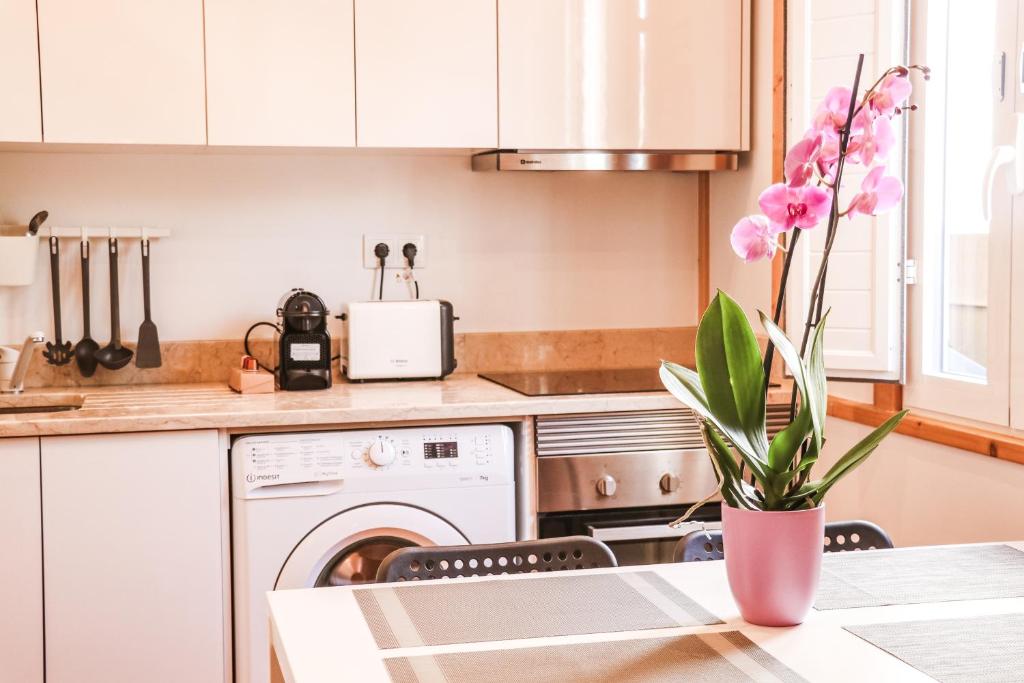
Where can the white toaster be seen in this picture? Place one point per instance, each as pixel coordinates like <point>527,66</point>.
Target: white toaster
<point>399,340</point>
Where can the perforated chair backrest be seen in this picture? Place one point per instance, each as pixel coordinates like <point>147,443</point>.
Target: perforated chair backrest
<point>840,537</point>
<point>856,534</point>
<point>698,546</point>
<point>455,561</point>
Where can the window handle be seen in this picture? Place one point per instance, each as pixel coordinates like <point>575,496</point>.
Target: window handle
<point>1003,155</point>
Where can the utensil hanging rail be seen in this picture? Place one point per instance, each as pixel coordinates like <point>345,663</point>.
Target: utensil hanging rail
<point>106,233</point>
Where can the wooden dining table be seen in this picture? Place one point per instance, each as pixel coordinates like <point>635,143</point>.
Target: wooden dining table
<point>331,635</point>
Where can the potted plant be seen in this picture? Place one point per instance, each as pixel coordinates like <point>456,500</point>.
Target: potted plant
<point>773,513</point>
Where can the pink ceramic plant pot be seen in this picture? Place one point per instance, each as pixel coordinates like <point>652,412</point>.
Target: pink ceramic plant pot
<point>773,560</point>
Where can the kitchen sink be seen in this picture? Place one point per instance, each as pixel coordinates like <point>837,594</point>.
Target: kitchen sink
<point>45,403</point>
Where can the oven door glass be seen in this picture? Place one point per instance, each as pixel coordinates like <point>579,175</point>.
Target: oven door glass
<point>645,543</point>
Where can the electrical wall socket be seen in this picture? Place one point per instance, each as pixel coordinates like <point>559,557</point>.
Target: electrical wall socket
<point>395,242</point>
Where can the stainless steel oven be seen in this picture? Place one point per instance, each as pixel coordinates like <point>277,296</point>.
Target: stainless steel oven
<point>621,478</point>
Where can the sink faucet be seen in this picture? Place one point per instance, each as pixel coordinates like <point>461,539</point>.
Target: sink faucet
<point>15,382</point>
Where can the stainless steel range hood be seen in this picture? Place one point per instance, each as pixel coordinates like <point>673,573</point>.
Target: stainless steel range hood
<point>592,160</point>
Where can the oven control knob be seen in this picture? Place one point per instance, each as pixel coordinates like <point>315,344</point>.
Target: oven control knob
<point>669,483</point>
<point>381,453</point>
<point>606,485</point>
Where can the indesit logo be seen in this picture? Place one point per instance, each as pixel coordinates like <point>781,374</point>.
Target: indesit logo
<point>253,478</point>
<point>525,162</point>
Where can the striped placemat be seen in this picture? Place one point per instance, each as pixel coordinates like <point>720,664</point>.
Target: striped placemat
<point>449,612</point>
<point>724,657</point>
<point>987,649</point>
<point>903,577</point>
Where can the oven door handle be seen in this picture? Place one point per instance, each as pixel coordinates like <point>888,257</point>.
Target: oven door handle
<point>643,532</point>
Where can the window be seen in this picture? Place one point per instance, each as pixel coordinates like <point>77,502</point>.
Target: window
<point>864,339</point>
<point>963,351</point>
<point>961,208</point>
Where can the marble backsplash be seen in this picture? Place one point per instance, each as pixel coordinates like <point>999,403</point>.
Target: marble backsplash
<point>187,362</point>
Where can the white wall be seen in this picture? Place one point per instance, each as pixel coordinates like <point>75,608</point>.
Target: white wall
<point>925,493</point>
<point>512,251</point>
<point>734,195</point>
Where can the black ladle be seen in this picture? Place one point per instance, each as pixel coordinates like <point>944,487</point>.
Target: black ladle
<point>113,356</point>
<point>85,350</point>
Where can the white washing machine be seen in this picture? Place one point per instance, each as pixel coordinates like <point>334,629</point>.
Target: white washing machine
<point>325,508</point>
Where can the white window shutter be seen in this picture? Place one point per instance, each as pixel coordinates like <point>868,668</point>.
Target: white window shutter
<point>864,339</point>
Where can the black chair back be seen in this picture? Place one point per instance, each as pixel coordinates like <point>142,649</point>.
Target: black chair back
<point>546,555</point>
<point>840,537</point>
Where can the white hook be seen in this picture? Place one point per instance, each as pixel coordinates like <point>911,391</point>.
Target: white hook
<point>85,235</point>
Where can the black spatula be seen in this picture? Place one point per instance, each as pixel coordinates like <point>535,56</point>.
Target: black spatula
<point>147,354</point>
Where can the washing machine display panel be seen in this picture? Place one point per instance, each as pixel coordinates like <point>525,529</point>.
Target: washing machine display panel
<point>440,450</point>
<point>410,457</point>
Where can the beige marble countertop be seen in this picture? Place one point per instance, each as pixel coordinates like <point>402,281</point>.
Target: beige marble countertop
<point>202,406</point>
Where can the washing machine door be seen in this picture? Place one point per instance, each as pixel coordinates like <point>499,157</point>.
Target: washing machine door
<point>347,548</point>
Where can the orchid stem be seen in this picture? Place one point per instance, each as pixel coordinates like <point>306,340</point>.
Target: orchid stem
<point>818,290</point>
<point>769,354</point>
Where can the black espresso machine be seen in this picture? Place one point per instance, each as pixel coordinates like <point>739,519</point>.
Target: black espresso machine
<point>304,344</point>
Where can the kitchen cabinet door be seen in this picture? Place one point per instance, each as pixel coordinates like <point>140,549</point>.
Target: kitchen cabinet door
<point>609,74</point>
<point>21,537</point>
<point>135,557</point>
<point>426,73</point>
<point>280,73</point>
<point>115,71</point>
<point>20,118</point>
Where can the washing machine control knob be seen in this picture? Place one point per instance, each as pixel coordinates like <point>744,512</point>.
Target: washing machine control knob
<point>381,452</point>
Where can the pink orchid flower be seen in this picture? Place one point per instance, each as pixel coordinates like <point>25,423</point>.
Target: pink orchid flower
<point>875,140</point>
<point>787,207</point>
<point>877,194</point>
<point>891,93</point>
<point>827,158</point>
<point>801,160</point>
<point>833,110</point>
<point>753,239</point>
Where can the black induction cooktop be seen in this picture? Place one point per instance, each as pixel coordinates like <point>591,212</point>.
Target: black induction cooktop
<point>571,382</point>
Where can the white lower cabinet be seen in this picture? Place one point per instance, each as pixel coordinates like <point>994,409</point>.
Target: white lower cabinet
<point>21,575</point>
<point>135,558</point>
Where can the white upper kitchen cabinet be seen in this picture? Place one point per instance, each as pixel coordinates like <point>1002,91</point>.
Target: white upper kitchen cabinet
<point>20,119</point>
<point>135,557</point>
<point>21,587</point>
<point>280,73</point>
<point>426,73</point>
<point>123,71</point>
<point>624,74</point>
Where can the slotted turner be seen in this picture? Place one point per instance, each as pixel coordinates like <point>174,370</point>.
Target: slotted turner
<point>147,354</point>
<point>57,352</point>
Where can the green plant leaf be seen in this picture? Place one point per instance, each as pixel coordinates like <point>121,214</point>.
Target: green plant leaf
<point>786,443</point>
<point>729,366</point>
<point>816,403</point>
<point>846,464</point>
<point>817,386</point>
<point>726,470</point>
<point>684,384</point>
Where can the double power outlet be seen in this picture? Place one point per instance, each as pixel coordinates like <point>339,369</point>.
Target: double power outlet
<point>396,260</point>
